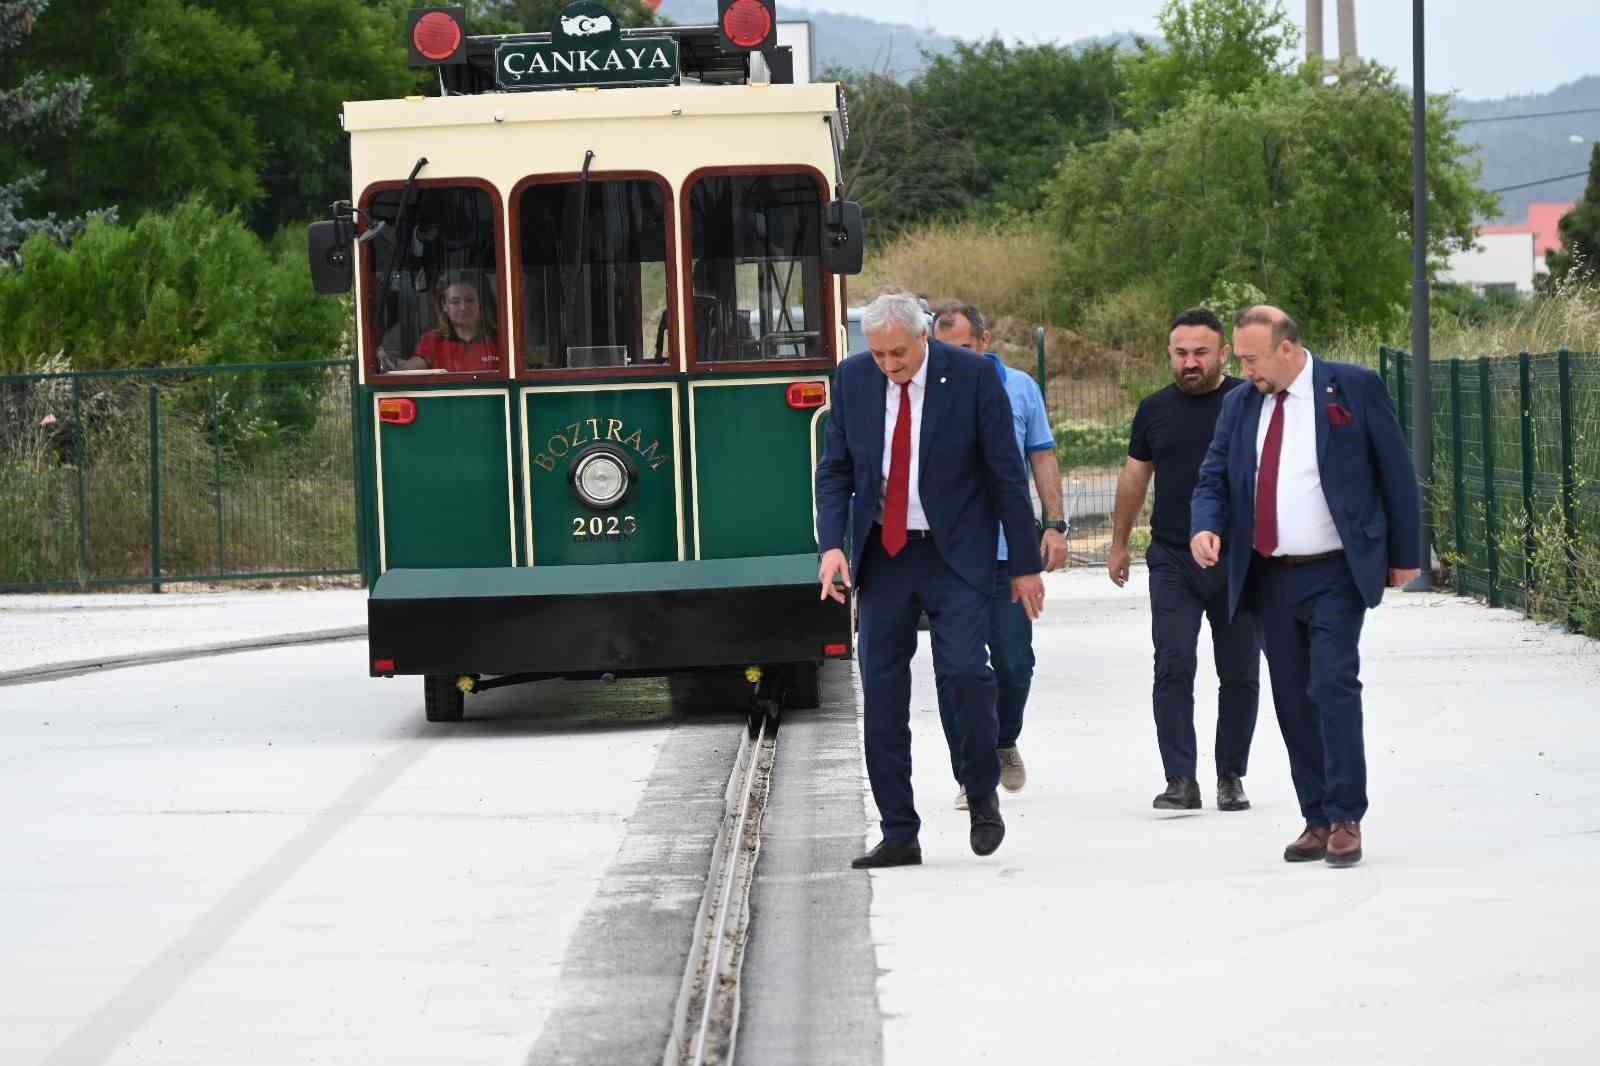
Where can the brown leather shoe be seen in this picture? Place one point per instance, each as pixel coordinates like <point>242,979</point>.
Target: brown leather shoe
<point>1309,846</point>
<point>1344,844</point>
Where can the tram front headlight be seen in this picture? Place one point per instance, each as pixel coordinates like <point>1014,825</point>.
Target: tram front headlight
<point>600,477</point>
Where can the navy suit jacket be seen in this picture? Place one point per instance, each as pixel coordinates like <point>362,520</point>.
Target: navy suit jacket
<point>1366,473</point>
<point>970,478</point>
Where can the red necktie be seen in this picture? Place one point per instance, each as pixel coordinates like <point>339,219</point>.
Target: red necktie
<point>898,495</point>
<point>1267,482</point>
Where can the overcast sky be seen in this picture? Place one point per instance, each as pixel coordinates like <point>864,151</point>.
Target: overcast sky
<point>1484,48</point>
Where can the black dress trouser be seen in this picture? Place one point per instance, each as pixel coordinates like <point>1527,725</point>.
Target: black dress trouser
<point>1180,593</point>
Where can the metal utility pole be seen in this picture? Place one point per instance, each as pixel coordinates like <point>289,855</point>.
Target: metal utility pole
<point>1314,49</point>
<point>1348,55</point>
<point>1422,396</point>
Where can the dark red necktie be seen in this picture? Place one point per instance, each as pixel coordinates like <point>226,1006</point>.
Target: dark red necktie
<point>1267,482</point>
<point>898,495</point>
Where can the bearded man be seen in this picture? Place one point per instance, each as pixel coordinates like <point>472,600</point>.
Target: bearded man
<point>1171,432</point>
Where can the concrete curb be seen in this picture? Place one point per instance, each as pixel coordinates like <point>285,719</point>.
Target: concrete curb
<point>58,671</point>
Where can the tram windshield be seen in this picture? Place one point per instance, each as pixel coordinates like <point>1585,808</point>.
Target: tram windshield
<point>435,294</point>
<point>755,241</point>
<point>594,274</point>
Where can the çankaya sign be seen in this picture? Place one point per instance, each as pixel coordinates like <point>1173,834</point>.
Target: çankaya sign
<point>586,48</point>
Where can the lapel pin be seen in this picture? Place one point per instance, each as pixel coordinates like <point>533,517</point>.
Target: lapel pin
<point>1330,388</point>
<point>943,380</point>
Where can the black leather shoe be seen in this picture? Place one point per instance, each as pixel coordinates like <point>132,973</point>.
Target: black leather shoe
<point>1182,794</point>
<point>988,828</point>
<point>888,853</point>
<point>1230,794</point>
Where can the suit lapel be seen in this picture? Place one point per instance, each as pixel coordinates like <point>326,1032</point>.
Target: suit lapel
<point>880,394</point>
<point>1249,426</point>
<point>1321,379</point>
<point>935,404</point>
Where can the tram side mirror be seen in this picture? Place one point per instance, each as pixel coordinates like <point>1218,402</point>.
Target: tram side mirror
<point>843,239</point>
<point>331,257</point>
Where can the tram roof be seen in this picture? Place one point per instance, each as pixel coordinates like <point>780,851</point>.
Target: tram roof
<point>589,104</point>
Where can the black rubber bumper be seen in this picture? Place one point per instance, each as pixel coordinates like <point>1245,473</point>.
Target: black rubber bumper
<point>632,619</point>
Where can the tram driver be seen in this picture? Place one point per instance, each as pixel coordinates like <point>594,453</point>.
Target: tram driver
<point>465,340</point>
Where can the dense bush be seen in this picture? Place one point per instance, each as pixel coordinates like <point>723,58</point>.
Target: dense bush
<point>189,287</point>
<point>1084,443</point>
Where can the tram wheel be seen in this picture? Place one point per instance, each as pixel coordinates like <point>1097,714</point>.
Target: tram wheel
<point>442,700</point>
<point>802,689</point>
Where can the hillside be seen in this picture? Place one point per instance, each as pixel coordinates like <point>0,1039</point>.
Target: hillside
<point>1530,149</point>
<point>847,41</point>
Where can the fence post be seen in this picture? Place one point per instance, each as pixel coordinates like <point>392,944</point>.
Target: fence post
<point>1529,544</point>
<point>1457,464</point>
<point>216,473</point>
<point>1491,531</point>
<point>1569,482</point>
<point>1402,395</point>
<point>1044,381</point>
<point>1383,365</point>
<point>80,457</point>
<point>155,489</point>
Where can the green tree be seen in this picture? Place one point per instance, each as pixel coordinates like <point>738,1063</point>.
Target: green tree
<point>1217,46</point>
<point>899,163</point>
<point>238,103</point>
<point>1298,188</point>
<point>1018,107</point>
<point>1580,232</point>
<point>36,109</point>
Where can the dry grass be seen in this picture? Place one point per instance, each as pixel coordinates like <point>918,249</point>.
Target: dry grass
<point>1568,318</point>
<point>1012,274</point>
<point>1006,271</point>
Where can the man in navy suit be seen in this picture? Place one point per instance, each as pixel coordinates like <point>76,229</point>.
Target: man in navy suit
<point>1308,488</point>
<point>921,469</point>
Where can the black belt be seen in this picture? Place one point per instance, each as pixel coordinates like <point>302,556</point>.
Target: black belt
<point>1302,560</point>
<point>911,534</point>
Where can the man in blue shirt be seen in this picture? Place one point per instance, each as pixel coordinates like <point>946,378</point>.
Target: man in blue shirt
<point>1010,631</point>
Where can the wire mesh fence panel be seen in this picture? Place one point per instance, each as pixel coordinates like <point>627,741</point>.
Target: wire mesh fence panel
<point>174,474</point>
<point>38,483</point>
<point>1092,420</point>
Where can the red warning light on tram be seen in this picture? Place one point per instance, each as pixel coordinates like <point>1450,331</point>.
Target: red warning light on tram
<point>748,25</point>
<point>438,36</point>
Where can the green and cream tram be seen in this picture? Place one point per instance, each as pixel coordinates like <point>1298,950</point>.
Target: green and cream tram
<point>597,325</point>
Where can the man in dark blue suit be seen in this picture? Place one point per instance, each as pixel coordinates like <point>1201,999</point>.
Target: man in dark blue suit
<point>921,469</point>
<point>1308,488</point>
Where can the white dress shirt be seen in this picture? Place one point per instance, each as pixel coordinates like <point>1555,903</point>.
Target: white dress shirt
<point>1305,525</point>
<point>916,518</point>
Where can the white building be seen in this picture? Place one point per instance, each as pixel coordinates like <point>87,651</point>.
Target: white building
<point>1497,263</point>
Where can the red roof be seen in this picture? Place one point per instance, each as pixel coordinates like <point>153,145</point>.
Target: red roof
<point>1546,219</point>
<point>1544,222</point>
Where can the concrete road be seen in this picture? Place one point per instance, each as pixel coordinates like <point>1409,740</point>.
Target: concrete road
<point>268,858</point>
<point>1105,932</point>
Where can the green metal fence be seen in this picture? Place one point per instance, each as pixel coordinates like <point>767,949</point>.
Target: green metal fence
<point>1092,419</point>
<point>177,474</point>
<point>1515,487</point>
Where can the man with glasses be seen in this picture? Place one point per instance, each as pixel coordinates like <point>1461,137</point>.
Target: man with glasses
<point>1010,631</point>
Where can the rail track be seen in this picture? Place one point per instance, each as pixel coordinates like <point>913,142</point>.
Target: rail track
<point>706,1024</point>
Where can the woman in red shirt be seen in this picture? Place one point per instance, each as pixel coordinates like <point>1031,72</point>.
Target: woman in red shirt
<point>465,341</point>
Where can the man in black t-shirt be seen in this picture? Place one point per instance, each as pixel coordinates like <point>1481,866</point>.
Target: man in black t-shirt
<point>1171,433</point>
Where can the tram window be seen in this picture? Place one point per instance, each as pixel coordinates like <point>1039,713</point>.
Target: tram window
<point>435,296</point>
<point>755,240</point>
<point>594,274</point>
